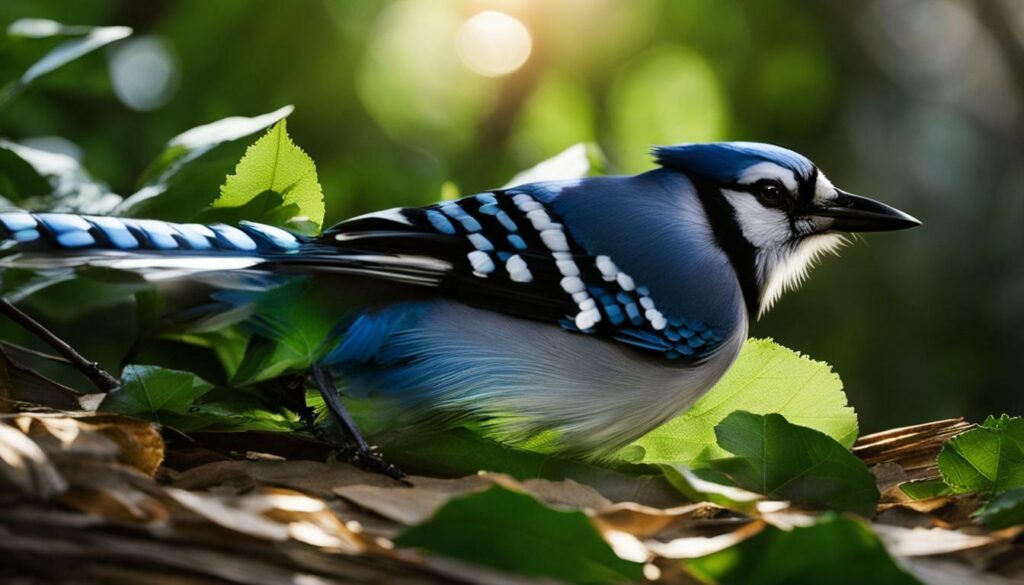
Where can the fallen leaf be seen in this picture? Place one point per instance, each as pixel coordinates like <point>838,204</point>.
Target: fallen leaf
<point>701,490</point>
<point>25,466</point>
<point>409,506</point>
<point>837,550</point>
<point>693,547</point>
<point>1004,510</point>
<point>514,531</point>
<point>646,521</point>
<point>987,459</point>
<point>310,477</point>
<point>566,493</point>
<point>920,542</point>
<point>231,514</point>
<point>785,461</point>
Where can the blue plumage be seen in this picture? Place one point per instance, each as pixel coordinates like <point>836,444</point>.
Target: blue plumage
<point>90,233</point>
<point>587,310</point>
<point>726,161</point>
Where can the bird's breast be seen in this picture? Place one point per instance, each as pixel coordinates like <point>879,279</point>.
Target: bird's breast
<point>527,378</point>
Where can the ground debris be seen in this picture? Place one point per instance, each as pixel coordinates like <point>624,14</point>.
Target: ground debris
<point>90,497</point>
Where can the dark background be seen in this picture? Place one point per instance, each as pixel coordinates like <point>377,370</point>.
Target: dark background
<point>914,102</point>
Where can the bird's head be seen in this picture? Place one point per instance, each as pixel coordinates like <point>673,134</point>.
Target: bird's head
<point>773,211</point>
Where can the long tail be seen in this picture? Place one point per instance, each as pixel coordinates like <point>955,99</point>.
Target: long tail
<point>162,250</point>
<point>50,240</point>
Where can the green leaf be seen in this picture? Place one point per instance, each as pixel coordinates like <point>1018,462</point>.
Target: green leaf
<point>924,489</point>
<point>988,459</point>
<point>460,452</point>
<point>788,462</point>
<point>1004,510</point>
<point>235,413</point>
<point>766,377</point>
<point>293,325</point>
<point>184,178</point>
<point>73,49</point>
<point>87,39</point>
<point>228,344</point>
<point>188,403</point>
<point>275,164</point>
<point>150,391</point>
<point>18,178</point>
<point>836,550</point>
<point>514,532</point>
<point>698,489</point>
<point>67,296</point>
<point>65,185</point>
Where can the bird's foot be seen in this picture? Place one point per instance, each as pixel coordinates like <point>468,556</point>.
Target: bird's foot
<point>352,445</point>
<point>371,460</point>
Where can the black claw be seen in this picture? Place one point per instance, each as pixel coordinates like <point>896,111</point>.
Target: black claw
<point>371,461</point>
<point>350,443</point>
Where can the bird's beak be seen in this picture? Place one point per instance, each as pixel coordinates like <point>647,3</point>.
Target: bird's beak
<point>853,213</point>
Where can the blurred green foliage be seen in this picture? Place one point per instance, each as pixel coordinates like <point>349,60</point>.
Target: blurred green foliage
<point>921,325</point>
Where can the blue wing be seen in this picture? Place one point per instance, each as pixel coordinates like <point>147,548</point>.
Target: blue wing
<point>509,252</point>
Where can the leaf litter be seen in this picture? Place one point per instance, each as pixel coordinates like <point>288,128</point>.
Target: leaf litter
<point>97,495</point>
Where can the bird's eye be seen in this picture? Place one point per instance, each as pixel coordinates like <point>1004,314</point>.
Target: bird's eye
<point>770,193</point>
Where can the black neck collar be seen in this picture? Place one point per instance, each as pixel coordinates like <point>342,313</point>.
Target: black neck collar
<point>728,235</point>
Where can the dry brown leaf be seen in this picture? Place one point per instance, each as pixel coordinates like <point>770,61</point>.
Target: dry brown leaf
<point>921,542</point>
<point>566,493</point>
<point>266,520</point>
<point>25,466</point>
<point>310,477</point>
<point>139,441</point>
<point>888,477</point>
<point>230,513</point>
<point>112,505</point>
<point>412,505</point>
<point>21,383</point>
<point>913,448</point>
<point>945,572</point>
<point>309,520</point>
<point>98,436</point>
<point>697,546</point>
<point>112,490</point>
<point>646,521</point>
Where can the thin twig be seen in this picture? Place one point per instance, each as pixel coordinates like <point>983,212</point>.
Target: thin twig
<point>97,375</point>
<point>34,352</point>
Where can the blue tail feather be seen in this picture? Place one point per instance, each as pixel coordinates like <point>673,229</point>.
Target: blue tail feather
<point>63,231</point>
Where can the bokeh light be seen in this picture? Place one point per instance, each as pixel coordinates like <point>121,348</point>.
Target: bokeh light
<point>666,96</point>
<point>412,81</point>
<point>144,73</point>
<point>493,43</point>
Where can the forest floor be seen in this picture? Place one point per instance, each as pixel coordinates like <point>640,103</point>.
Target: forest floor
<point>91,497</point>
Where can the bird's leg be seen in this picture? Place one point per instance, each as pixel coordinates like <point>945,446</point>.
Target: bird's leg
<point>291,394</point>
<point>92,370</point>
<point>357,448</point>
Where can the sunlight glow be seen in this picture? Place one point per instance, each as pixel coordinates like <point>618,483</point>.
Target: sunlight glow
<point>493,43</point>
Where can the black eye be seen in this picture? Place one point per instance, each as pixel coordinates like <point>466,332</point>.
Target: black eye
<point>770,193</point>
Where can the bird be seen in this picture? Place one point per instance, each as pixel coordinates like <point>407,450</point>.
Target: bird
<point>575,314</point>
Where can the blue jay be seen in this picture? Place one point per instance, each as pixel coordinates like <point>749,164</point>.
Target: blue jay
<point>586,312</point>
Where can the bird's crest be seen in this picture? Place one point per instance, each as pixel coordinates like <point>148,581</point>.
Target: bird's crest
<point>726,161</point>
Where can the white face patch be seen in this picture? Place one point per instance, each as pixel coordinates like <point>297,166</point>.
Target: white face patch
<point>762,226</point>
<point>783,258</point>
<point>767,170</point>
<point>824,190</point>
